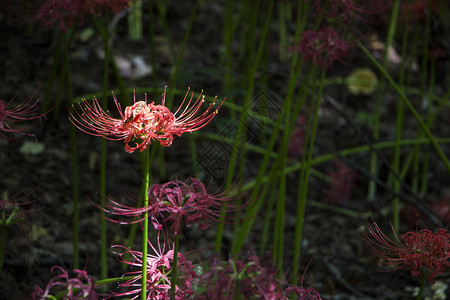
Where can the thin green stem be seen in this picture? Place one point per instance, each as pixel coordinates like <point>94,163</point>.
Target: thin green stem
<point>422,285</point>
<point>174,268</point>
<point>409,105</point>
<point>73,141</point>
<point>145,225</point>
<point>103,240</point>
<point>241,130</point>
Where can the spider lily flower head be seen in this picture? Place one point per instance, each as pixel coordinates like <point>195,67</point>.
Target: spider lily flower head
<point>79,287</point>
<point>250,277</point>
<point>143,122</point>
<point>321,48</point>
<point>178,203</point>
<point>70,12</point>
<point>10,114</point>
<point>158,273</point>
<point>419,251</point>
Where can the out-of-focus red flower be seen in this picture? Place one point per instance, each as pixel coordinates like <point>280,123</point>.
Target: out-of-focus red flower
<point>442,208</point>
<point>158,273</point>
<point>248,278</point>
<point>142,123</point>
<point>418,9</point>
<point>423,250</point>
<point>297,140</point>
<point>79,287</point>
<point>321,48</point>
<point>342,181</point>
<point>176,203</point>
<point>12,115</point>
<point>72,12</point>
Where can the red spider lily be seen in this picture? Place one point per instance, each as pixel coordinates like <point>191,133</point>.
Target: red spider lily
<point>419,250</point>
<point>79,287</point>
<point>321,48</point>
<point>175,202</point>
<point>70,12</point>
<point>29,110</point>
<point>249,278</point>
<point>158,278</point>
<point>141,123</point>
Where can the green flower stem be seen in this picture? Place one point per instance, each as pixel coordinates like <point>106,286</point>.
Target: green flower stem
<point>422,285</point>
<point>53,71</point>
<point>73,140</point>
<point>410,106</point>
<point>174,268</point>
<point>241,130</point>
<point>103,229</point>
<point>135,20</point>
<point>376,129</point>
<point>145,224</point>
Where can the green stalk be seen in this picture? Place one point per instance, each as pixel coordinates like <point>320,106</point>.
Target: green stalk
<point>376,130</point>
<point>103,228</point>
<point>241,130</point>
<point>73,140</point>
<point>145,225</point>
<point>174,268</point>
<point>304,176</point>
<point>399,130</point>
<point>410,107</point>
<point>135,20</point>
<point>53,71</point>
<point>422,285</point>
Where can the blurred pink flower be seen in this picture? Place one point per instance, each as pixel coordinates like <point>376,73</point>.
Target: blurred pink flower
<point>177,202</point>
<point>11,114</point>
<point>321,48</point>
<point>342,181</point>
<point>79,287</point>
<point>297,140</point>
<point>423,250</point>
<point>70,12</point>
<point>248,278</point>
<point>158,273</point>
<point>141,123</point>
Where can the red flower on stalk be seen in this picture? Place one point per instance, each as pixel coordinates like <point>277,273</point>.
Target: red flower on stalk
<point>419,250</point>
<point>142,123</point>
<point>322,47</point>
<point>158,273</point>
<point>10,114</point>
<point>174,203</point>
<point>79,287</point>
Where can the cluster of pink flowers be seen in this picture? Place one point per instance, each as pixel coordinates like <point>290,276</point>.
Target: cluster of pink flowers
<point>143,122</point>
<point>419,250</point>
<point>70,12</point>
<point>322,47</point>
<point>10,113</point>
<point>248,278</point>
<point>158,270</point>
<point>79,287</point>
<point>176,203</point>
